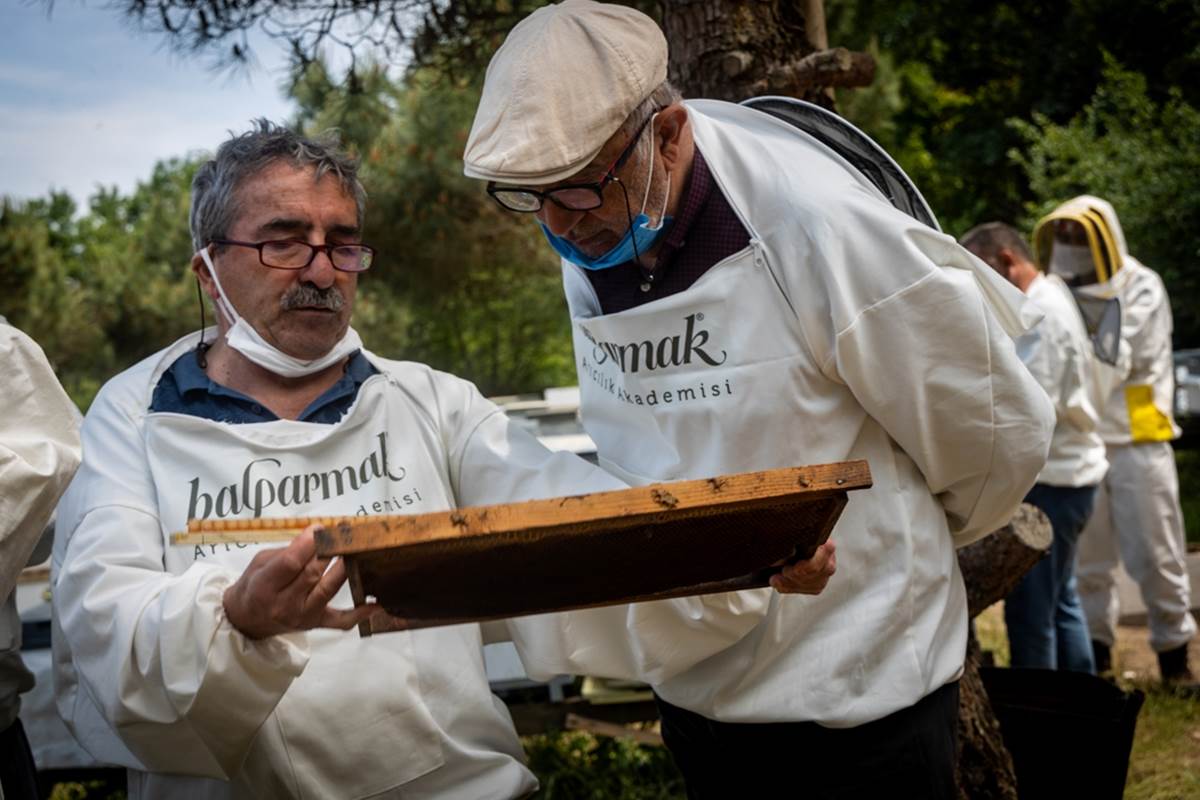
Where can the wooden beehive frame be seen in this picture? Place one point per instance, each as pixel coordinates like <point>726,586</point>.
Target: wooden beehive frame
<point>367,537</point>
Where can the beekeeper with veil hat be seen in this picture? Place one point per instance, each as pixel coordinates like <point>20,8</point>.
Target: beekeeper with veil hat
<point>743,298</point>
<point>1138,520</point>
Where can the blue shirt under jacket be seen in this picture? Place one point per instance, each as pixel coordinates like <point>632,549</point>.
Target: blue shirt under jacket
<point>185,389</point>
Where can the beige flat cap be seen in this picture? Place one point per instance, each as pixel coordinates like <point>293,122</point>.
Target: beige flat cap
<point>559,87</point>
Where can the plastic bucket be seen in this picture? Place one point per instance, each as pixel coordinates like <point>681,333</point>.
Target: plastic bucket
<point>1069,733</point>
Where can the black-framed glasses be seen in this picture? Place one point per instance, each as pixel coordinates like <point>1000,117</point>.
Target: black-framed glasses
<point>571,196</point>
<point>297,254</point>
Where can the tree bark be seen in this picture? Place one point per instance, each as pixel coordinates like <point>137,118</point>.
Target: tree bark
<point>995,564</point>
<point>985,767</point>
<point>735,49</point>
<point>991,568</point>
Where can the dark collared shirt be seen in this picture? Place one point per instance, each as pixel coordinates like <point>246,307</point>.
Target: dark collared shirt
<point>705,232</point>
<point>185,389</point>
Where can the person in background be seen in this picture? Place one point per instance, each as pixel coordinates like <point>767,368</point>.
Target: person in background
<point>743,299</point>
<point>1138,520</point>
<point>39,452</point>
<point>1046,625</point>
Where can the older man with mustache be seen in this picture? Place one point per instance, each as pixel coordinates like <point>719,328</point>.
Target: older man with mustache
<point>211,672</point>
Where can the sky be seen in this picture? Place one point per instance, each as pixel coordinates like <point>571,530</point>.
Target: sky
<point>88,100</point>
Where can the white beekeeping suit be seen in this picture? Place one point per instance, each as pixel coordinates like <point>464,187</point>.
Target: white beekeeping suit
<point>150,674</point>
<point>39,448</point>
<point>845,330</point>
<point>1137,518</point>
<point>39,452</point>
<point>777,309</point>
<point>1059,355</point>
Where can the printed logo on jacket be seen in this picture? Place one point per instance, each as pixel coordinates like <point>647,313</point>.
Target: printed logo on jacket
<point>267,484</point>
<point>363,466</point>
<point>684,360</point>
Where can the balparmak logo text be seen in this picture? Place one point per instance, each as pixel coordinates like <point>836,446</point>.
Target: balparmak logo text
<point>264,484</point>
<point>649,355</point>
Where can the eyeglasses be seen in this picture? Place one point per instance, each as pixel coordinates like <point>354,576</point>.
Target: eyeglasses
<point>571,196</point>
<point>296,254</point>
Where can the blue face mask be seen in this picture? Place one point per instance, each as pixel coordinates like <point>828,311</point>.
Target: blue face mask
<point>639,239</point>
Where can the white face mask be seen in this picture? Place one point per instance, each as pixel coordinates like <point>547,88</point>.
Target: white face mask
<point>1073,261</point>
<point>243,338</point>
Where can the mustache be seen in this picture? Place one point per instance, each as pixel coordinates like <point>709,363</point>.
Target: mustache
<point>308,296</point>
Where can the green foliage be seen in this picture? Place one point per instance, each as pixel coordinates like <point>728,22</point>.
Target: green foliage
<point>956,72</point>
<point>85,790</point>
<point>580,766</point>
<point>470,289</point>
<point>958,93</point>
<point>102,289</point>
<point>459,284</point>
<point>1188,464</point>
<point>1143,157</point>
<point>909,89</point>
<point>358,108</point>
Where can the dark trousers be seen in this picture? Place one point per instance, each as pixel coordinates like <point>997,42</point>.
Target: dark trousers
<point>18,774</point>
<point>908,754</point>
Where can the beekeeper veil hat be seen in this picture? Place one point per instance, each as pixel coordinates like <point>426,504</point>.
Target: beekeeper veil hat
<point>559,87</point>
<point>1098,220</point>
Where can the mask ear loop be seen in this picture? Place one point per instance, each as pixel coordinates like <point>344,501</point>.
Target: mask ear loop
<point>222,306</point>
<point>202,348</point>
<point>637,258</point>
<point>650,177</point>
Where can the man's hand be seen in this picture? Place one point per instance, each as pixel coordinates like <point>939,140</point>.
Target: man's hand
<point>810,576</point>
<point>289,589</point>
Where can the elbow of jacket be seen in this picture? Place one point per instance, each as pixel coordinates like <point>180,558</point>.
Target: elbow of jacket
<point>160,748</point>
<point>1028,458</point>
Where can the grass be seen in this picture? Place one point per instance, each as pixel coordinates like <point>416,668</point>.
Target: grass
<point>992,635</point>
<point>1165,764</point>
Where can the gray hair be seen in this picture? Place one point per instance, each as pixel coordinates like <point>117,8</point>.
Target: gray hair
<point>664,94</point>
<point>214,188</point>
<point>988,239</point>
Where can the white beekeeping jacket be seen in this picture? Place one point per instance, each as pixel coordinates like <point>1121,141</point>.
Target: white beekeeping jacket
<point>1141,409</point>
<point>150,674</point>
<point>1059,354</point>
<point>845,330</point>
<point>39,452</point>
<point>39,449</point>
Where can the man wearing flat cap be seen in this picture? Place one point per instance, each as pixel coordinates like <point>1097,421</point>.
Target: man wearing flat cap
<point>743,299</point>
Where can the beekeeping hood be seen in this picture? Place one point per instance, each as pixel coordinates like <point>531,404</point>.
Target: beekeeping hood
<point>1097,297</point>
<point>1106,240</point>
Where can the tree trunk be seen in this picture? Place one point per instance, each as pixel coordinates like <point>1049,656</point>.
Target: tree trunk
<point>735,49</point>
<point>995,564</point>
<point>985,767</point>
<point>991,568</point>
